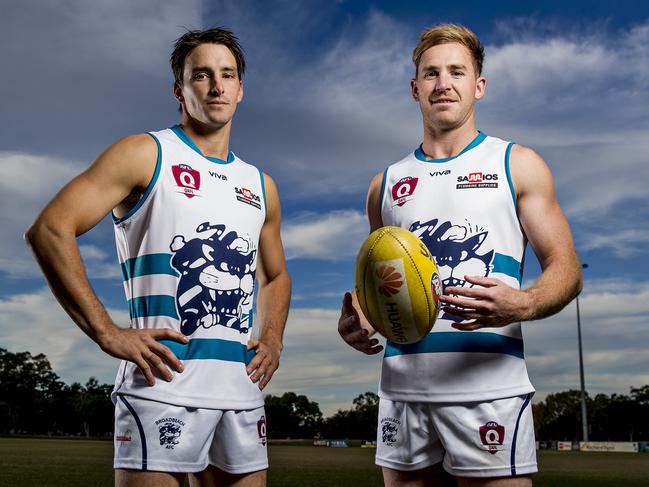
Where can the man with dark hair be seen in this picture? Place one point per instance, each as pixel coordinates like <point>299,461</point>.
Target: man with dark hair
<point>458,401</point>
<point>194,226</point>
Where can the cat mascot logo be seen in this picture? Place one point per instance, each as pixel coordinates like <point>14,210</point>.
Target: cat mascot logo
<point>455,248</point>
<point>217,274</point>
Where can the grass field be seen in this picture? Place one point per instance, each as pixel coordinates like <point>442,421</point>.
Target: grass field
<point>60,462</point>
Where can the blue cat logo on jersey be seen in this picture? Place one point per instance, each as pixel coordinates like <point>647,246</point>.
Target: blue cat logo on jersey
<point>455,247</point>
<point>217,274</point>
<point>170,430</point>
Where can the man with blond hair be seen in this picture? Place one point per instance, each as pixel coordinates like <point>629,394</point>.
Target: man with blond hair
<point>458,401</point>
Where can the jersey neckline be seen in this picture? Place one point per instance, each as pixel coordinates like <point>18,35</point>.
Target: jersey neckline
<point>182,135</point>
<point>419,153</point>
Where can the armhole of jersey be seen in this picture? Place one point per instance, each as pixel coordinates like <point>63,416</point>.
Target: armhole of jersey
<point>509,176</point>
<point>263,189</point>
<point>149,188</point>
<point>383,183</point>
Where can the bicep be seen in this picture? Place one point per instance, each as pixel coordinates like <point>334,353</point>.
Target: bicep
<point>90,196</point>
<point>374,202</point>
<point>541,217</point>
<point>271,260</point>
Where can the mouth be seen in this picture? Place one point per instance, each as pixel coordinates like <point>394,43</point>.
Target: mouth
<point>217,102</point>
<point>442,101</point>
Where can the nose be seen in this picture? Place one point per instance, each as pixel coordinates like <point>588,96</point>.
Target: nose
<point>216,87</point>
<point>443,82</point>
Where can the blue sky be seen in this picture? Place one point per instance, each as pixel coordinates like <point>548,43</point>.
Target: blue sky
<point>326,107</point>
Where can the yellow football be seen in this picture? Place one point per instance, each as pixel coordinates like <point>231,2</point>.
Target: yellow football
<point>398,284</point>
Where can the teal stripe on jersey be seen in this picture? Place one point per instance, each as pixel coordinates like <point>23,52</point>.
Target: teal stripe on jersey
<point>464,341</point>
<point>419,153</point>
<point>509,176</point>
<point>211,348</point>
<point>155,305</point>
<point>263,186</point>
<point>149,188</point>
<point>507,265</point>
<point>145,265</point>
<point>182,135</point>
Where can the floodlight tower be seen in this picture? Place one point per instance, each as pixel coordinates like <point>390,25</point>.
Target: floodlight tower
<point>584,419</point>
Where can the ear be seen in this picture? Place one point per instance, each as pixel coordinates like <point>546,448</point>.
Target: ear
<point>480,87</point>
<point>178,93</point>
<point>414,90</point>
<point>240,94</point>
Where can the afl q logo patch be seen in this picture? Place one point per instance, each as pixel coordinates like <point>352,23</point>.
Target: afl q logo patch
<point>187,179</point>
<point>403,190</point>
<point>492,436</point>
<point>261,430</point>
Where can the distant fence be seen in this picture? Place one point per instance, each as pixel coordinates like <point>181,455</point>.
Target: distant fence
<point>331,443</point>
<point>595,446</point>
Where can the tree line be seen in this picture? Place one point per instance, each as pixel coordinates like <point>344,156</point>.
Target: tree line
<point>34,401</point>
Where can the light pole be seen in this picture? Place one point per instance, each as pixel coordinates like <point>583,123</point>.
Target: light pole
<point>584,419</point>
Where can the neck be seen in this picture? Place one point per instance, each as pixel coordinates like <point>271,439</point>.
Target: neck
<point>441,143</point>
<point>212,141</point>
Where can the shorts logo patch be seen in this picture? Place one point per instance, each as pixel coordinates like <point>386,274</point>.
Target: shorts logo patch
<point>124,436</point>
<point>261,430</point>
<point>389,430</point>
<point>492,436</point>
<point>170,431</point>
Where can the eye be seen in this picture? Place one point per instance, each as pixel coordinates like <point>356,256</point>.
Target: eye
<point>200,76</point>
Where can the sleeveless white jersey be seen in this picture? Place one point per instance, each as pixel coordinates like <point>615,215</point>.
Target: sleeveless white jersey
<point>188,252</point>
<point>463,208</point>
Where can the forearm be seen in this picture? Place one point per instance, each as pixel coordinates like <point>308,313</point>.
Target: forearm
<point>558,284</point>
<point>58,255</point>
<point>272,308</point>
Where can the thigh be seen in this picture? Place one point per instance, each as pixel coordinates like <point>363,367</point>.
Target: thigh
<point>138,478</point>
<point>433,476</point>
<point>497,482</point>
<point>153,436</point>
<point>215,477</point>
<point>406,438</point>
<point>240,444</point>
<point>488,439</point>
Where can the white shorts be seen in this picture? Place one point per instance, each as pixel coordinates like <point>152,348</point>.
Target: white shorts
<point>477,439</point>
<point>151,435</point>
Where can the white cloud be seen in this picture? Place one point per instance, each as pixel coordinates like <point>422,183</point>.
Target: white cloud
<point>317,363</point>
<point>331,236</point>
<point>36,323</point>
<point>614,337</point>
<point>626,243</point>
<point>28,182</point>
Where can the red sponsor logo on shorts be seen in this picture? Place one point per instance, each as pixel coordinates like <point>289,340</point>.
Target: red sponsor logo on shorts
<point>125,436</point>
<point>492,435</point>
<point>261,430</point>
